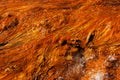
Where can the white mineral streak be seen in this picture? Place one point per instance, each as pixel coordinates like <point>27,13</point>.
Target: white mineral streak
<point>97,76</point>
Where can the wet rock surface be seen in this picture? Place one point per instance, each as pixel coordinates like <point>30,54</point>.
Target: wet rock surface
<point>59,40</point>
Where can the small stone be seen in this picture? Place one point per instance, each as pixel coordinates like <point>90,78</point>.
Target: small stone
<point>69,57</point>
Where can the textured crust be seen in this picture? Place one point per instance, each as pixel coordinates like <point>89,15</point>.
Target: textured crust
<point>59,40</point>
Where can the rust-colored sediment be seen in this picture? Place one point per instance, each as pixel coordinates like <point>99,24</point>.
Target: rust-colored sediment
<point>59,40</point>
